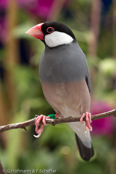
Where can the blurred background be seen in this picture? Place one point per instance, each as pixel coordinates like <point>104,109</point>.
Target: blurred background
<point>21,98</point>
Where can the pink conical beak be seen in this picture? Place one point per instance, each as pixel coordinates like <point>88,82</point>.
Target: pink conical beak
<point>36,31</point>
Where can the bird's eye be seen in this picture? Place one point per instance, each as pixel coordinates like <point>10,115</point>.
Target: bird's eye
<point>50,29</point>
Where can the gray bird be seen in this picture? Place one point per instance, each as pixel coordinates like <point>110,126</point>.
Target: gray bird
<point>65,81</point>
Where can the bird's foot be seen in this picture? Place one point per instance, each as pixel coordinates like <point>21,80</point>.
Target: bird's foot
<point>87,117</point>
<point>58,115</point>
<point>40,122</point>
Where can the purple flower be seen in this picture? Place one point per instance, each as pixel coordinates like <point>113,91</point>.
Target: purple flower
<point>3,4</point>
<point>41,8</point>
<point>36,8</point>
<point>104,126</point>
<point>3,31</point>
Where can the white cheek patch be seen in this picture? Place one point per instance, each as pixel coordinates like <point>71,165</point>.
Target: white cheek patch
<point>57,38</point>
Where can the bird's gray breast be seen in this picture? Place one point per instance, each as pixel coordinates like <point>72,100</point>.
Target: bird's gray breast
<point>63,64</point>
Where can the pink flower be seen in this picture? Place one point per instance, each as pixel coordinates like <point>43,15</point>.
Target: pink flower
<point>104,126</point>
<point>3,4</point>
<point>3,31</point>
<point>37,8</point>
<point>40,8</point>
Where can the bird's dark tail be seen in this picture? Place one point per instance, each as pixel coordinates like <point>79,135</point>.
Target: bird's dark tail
<point>85,152</point>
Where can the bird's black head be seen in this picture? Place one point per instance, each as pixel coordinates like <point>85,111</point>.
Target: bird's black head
<point>49,27</point>
<point>52,33</point>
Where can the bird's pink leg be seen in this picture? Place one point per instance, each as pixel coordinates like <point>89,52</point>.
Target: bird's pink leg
<point>87,117</point>
<point>58,115</point>
<point>40,121</point>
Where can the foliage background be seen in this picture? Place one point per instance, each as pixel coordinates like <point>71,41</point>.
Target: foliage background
<point>94,25</point>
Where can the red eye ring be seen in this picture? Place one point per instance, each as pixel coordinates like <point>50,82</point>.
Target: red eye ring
<point>50,29</point>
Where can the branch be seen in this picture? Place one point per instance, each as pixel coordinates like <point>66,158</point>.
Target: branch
<point>31,122</point>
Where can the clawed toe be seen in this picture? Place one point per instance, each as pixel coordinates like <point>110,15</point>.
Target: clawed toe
<point>40,122</point>
<point>87,117</point>
<point>58,115</point>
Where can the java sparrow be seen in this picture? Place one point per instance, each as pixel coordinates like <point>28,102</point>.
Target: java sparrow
<point>65,81</point>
